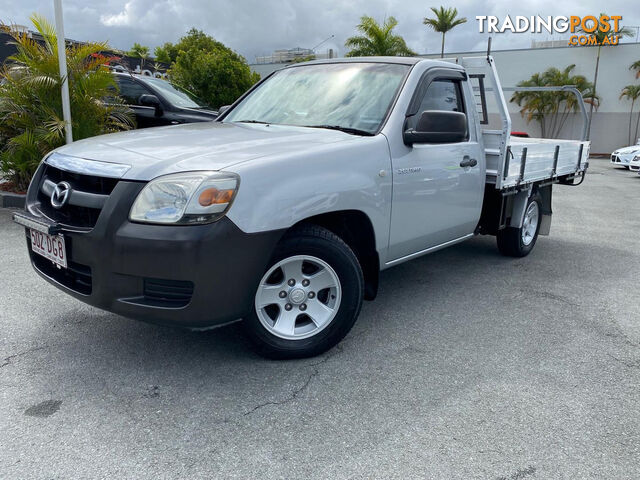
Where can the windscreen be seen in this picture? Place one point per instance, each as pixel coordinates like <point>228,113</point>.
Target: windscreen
<point>348,95</point>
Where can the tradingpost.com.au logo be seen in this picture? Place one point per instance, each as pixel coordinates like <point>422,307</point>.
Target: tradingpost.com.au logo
<point>584,30</point>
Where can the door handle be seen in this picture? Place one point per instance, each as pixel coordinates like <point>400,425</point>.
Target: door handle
<point>468,162</point>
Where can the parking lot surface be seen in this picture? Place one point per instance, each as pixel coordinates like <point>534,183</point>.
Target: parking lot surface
<point>468,365</point>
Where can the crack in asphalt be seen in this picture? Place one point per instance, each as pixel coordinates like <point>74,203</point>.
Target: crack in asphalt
<point>9,360</point>
<point>520,473</point>
<point>633,364</point>
<point>297,391</point>
<point>532,292</point>
<point>620,334</point>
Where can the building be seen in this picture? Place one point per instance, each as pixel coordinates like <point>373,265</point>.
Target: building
<point>279,58</point>
<point>291,55</point>
<point>549,43</point>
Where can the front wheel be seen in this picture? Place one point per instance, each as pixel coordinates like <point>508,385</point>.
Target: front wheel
<point>309,297</point>
<point>518,242</point>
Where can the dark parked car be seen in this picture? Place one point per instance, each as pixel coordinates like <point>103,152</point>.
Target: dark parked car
<point>157,102</point>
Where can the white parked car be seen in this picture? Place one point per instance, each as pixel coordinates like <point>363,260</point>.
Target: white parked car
<point>634,164</point>
<point>623,156</point>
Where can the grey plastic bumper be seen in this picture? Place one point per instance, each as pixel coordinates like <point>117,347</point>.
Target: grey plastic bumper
<point>119,258</point>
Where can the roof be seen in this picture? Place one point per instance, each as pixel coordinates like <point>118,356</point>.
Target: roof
<point>393,60</point>
<point>133,75</point>
<point>400,60</point>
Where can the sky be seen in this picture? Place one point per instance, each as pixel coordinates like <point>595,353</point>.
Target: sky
<point>257,27</point>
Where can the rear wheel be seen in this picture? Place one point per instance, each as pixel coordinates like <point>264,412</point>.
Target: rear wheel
<point>518,242</point>
<point>309,297</point>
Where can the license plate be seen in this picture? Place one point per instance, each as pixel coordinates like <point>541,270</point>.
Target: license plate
<point>49,246</point>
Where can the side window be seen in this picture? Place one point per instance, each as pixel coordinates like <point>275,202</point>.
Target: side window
<point>440,95</point>
<point>130,90</point>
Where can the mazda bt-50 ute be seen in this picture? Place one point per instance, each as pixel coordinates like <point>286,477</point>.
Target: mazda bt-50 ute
<point>284,210</point>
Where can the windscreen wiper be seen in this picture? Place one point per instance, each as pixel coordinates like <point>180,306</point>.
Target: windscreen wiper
<point>252,121</point>
<point>352,131</point>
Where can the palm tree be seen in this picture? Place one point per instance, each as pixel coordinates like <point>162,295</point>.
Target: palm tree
<point>377,39</point>
<point>636,66</point>
<point>600,36</point>
<point>552,109</point>
<point>139,51</point>
<point>632,92</point>
<point>445,20</point>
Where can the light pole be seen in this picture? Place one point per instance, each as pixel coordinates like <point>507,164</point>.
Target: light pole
<point>62,61</point>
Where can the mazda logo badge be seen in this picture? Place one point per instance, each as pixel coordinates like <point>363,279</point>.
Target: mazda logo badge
<point>60,195</point>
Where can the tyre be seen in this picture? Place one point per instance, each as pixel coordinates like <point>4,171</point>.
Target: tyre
<point>309,297</point>
<point>518,242</point>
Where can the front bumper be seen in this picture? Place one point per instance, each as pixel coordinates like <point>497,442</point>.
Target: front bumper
<point>621,160</point>
<point>193,276</point>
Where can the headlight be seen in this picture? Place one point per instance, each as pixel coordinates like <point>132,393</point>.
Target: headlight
<point>185,198</point>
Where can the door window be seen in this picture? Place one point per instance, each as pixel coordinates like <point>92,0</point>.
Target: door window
<point>440,95</point>
<point>130,91</point>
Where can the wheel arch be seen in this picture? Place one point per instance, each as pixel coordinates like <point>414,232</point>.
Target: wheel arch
<point>501,210</point>
<point>543,191</point>
<point>355,228</point>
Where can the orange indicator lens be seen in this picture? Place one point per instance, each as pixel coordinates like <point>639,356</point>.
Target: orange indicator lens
<point>212,196</point>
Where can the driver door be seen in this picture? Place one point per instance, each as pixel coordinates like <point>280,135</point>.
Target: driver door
<point>437,195</point>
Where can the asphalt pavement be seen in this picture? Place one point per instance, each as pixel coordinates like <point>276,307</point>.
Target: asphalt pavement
<point>468,365</point>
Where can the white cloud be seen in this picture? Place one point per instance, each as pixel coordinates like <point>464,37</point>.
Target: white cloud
<point>124,18</point>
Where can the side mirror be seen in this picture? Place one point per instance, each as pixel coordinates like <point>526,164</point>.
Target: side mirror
<point>438,126</point>
<point>150,101</point>
<point>223,109</point>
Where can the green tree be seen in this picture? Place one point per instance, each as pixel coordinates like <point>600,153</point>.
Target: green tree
<point>377,40</point>
<point>31,121</point>
<point>632,92</point>
<point>445,20</point>
<point>194,40</point>
<point>552,109</point>
<point>599,37</point>
<point>166,53</point>
<point>636,66</point>
<point>208,68</point>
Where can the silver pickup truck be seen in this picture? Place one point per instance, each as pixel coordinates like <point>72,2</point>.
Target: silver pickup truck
<point>283,211</point>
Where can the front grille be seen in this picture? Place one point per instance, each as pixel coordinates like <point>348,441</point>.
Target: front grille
<point>76,276</point>
<point>167,293</point>
<point>73,215</point>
